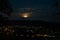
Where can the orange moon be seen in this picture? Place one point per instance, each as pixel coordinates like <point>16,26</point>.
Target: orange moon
<point>25,15</point>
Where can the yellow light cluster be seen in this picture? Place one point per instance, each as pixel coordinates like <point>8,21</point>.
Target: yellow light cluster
<point>45,35</point>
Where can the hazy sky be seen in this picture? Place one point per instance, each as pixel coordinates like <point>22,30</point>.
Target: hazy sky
<point>46,11</point>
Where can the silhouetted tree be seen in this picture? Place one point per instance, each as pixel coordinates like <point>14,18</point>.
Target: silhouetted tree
<point>5,7</point>
<point>3,18</point>
<point>56,3</point>
<point>56,6</point>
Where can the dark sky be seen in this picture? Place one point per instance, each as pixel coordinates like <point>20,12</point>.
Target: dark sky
<point>46,11</point>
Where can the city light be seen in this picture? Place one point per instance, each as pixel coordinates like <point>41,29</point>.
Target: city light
<point>9,30</point>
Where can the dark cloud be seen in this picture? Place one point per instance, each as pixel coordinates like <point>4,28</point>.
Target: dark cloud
<point>44,9</point>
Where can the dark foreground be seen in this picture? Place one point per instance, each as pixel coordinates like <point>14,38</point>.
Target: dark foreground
<point>29,30</point>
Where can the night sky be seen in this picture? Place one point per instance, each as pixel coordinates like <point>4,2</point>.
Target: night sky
<point>46,12</point>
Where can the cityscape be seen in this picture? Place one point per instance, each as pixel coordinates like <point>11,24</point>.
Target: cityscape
<point>29,20</point>
<point>21,32</point>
